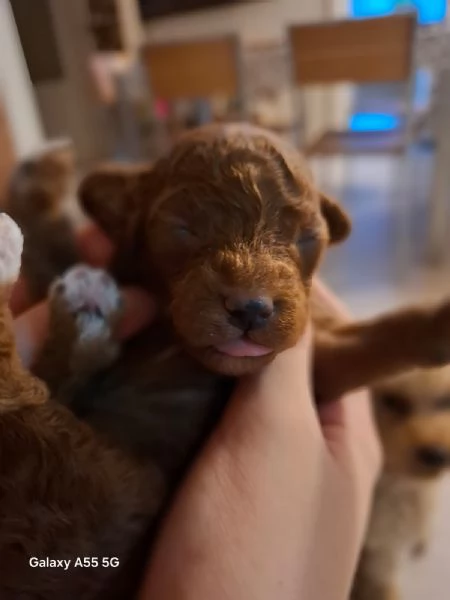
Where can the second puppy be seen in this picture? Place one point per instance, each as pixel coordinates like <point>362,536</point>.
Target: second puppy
<point>413,416</point>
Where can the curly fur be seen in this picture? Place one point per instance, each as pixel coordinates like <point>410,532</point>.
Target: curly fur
<point>231,212</point>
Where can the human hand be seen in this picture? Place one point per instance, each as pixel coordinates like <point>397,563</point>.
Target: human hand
<point>277,502</point>
<point>31,322</point>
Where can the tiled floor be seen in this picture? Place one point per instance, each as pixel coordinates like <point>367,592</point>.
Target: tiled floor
<point>365,272</point>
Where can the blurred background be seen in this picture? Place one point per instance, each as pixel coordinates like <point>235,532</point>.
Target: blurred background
<point>361,86</point>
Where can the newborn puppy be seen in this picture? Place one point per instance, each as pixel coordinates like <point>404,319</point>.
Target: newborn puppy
<point>413,418</point>
<point>35,200</point>
<point>227,231</point>
<point>64,492</point>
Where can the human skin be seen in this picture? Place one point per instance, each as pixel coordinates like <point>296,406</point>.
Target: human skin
<point>276,505</point>
<point>31,322</point>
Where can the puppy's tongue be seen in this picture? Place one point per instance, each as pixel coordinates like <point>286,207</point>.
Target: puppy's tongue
<point>241,348</point>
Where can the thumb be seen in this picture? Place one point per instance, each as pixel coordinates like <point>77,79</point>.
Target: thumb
<point>284,386</point>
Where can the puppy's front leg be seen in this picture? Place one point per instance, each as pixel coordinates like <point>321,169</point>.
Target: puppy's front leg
<point>353,355</point>
<point>85,306</point>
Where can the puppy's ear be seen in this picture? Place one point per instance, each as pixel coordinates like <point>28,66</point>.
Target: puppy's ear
<point>112,196</point>
<point>338,222</point>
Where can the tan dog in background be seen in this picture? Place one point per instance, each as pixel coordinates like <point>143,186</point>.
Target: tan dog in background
<point>413,416</point>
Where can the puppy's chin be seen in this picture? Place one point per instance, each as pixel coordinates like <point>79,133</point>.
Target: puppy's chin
<point>232,366</point>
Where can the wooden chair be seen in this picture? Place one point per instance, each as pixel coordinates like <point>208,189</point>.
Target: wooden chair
<point>196,70</point>
<point>379,50</point>
<point>357,51</point>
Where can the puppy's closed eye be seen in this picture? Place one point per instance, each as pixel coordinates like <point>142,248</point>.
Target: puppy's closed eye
<point>309,246</point>
<point>183,232</point>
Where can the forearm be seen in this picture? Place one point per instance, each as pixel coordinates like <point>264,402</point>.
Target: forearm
<point>276,505</point>
<point>237,529</point>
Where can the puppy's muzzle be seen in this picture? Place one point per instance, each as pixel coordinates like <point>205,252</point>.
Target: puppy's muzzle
<point>249,314</point>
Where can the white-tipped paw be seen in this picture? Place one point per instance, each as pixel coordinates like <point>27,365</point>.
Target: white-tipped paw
<point>89,298</point>
<point>90,295</point>
<point>11,246</point>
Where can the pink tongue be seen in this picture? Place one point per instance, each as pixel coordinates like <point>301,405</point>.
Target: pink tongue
<point>240,348</point>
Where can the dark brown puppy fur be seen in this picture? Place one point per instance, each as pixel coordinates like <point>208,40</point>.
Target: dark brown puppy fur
<point>64,492</point>
<point>230,214</point>
<point>35,200</point>
<point>413,418</point>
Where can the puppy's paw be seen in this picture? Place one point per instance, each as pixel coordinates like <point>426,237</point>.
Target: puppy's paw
<point>89,299</point>
<point>88,294</point>
<point>11,246</point>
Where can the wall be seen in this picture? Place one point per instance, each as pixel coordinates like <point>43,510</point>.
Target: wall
<point>15,88</point>
<point>68,105</point>
<point>256,22</point>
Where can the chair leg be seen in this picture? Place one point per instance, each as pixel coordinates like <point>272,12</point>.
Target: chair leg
<point>440,194</point>
<point>404,205</point>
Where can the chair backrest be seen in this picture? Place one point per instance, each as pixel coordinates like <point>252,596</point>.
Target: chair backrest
<point>194,69</point>
<point>357,50</point>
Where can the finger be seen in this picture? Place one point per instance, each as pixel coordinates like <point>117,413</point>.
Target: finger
<point>139,312</point>
<point>20,297</point>
<point>348,428</point>
<point>95,249</point>
<point>284,386</point>
<point>31,328</point>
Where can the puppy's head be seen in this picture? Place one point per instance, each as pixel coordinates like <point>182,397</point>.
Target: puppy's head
<point>41,182</point>
<point>413,416</point>
<point>229,228</point>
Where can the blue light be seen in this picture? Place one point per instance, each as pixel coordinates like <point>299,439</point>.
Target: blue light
<point>429,11</point>
<point>371,8</point>
<point>373,122</point>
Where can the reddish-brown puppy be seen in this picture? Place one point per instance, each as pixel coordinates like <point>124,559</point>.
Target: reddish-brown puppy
<point>227,231</point>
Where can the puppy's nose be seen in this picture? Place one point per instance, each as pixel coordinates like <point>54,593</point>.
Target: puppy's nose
<point>433,456</point>
<point>249,313</point>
